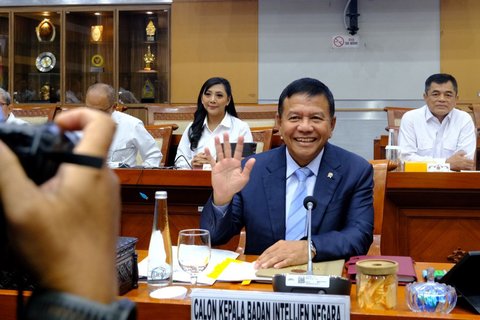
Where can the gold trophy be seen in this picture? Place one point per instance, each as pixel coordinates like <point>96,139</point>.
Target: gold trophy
<point>96,33</point>
<point>148,57</point>
<point>45,31</point>
<point>150,31</point>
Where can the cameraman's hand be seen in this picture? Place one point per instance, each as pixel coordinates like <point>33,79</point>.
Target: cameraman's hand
<point>66,229</point>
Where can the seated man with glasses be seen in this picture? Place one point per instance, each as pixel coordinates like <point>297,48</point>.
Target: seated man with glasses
<point>130,138</point>
<point>438,131</point>
<point>6,114</point>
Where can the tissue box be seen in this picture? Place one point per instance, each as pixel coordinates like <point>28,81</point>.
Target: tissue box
<point>127,269</point>
<point>411,166</point>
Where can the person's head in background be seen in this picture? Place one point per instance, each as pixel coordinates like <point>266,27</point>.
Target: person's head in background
<point>441,94</point>
<point>101,96</point>
<point>306,118</point>
<point>214,99</point>
<point>5,102</point>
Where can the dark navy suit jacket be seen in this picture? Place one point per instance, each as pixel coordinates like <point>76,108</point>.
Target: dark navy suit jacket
<point>342,222</point>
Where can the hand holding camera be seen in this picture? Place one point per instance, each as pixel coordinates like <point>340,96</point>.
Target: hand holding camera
<point>64,229</point>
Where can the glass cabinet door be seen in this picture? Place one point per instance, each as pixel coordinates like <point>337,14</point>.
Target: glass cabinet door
<point>37,57</point>
<point>4,51</point>
<point>144,56</point>
<point>89,52</point>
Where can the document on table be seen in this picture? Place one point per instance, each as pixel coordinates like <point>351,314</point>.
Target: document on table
<point>217,257</point>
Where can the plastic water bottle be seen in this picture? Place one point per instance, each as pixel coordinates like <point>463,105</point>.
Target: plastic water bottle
<point>160,262</point>
<point>392,151</point>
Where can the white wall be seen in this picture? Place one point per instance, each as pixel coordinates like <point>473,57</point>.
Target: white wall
<point>399,47</point>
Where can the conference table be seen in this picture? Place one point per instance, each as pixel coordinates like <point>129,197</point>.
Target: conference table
<point>179,309</point>
<point>149,308</point>
<point>431,215</point>
<point>427,215</point>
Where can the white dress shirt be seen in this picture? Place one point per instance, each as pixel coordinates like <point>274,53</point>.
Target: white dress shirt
<point>12,119</point>
<point>423,138</point>
<point>132,137</point>
<point>232,125</point>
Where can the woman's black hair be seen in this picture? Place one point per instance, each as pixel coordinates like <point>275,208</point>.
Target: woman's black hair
<point>195,132</point>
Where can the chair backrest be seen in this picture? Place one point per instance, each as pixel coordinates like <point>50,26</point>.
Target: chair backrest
<point>181,116</point>
<point>163,137</point>
<point>257,115</point>
<point>35,114</point>
<point>394,116</point>
<point>380,171</point>
<point>263,138</point>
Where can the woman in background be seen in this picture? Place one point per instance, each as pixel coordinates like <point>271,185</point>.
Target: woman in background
<point>215,115</point>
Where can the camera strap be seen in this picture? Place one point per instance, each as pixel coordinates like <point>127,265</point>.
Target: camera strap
<point>84,160</point>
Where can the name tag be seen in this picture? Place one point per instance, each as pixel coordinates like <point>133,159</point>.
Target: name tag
<point>232,304</point>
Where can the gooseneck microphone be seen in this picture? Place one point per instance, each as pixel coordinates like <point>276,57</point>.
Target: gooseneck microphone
<point>309,282</point>
<point>309,203</point>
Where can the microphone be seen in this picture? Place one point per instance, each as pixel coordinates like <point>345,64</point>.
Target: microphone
<point>310,283</point>
<point>309,203</point>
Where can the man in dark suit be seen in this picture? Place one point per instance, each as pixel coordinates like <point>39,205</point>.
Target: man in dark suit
<point>257,193</point>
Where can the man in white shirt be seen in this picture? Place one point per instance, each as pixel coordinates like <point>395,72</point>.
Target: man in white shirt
<point>7,115</point>
<point>130,138</point>
<point>438,131</point>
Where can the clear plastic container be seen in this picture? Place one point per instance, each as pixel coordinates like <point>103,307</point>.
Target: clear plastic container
<point>377,284</point>
<point>430,296</point>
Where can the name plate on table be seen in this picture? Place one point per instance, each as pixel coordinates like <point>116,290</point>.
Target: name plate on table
<point>234,304</point>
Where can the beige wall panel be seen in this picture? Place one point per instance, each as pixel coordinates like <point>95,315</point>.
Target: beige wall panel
<point>460,44</point>
<point>214,38</point>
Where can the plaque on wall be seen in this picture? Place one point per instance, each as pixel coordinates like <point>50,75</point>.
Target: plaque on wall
<point>45,61</point>
<point>45,31</point>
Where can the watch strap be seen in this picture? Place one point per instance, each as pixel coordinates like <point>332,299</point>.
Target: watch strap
<point>53,305</point>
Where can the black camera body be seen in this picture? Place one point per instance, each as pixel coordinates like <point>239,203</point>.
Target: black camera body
<point>40,149</point>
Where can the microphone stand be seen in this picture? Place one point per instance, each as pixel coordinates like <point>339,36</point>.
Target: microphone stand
<point>310,283</point>
<point>310,206</point>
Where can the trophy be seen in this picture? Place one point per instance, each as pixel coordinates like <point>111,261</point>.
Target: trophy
<point>148,91</point>
<point>45,92</point>
<point>150,31</point>
<point>148,57</point>
<point>45,31</point>
<point>96,33</point>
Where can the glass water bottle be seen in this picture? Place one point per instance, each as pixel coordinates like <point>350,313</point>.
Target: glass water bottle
<point>160,263</point>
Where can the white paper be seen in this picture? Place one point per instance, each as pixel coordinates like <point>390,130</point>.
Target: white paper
<point>217,256</point>
<point>239,271</point>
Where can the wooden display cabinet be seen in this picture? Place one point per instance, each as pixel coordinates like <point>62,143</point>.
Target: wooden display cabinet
<point>37,57</point>
<point>59,51</point>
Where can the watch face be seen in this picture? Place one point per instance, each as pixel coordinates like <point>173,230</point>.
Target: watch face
<point>45,61</point>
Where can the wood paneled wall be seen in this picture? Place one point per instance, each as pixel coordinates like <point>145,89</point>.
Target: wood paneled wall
<point>214,38</point>
<point>460,44</point>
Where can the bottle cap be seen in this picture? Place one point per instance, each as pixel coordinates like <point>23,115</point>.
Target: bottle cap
<point>161,195</point>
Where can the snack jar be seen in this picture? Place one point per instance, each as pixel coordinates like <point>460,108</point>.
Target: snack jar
<point>377,284</point>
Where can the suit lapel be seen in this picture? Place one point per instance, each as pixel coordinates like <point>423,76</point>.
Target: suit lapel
<point>274,185</point>
<point>327,182</point>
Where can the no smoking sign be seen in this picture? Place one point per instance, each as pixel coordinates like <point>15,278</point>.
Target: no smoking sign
<point>341,41</point>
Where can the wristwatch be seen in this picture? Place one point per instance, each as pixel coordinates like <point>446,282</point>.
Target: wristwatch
<point>54,305</point>
<point>314,250</point>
